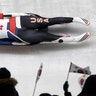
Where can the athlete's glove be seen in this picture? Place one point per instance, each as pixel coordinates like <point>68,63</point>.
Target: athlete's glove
<point>65,86</point>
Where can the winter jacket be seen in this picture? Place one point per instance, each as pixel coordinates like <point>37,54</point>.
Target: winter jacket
<point>7,87</point>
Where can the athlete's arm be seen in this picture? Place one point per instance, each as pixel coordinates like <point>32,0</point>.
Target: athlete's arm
<point>65,88</point>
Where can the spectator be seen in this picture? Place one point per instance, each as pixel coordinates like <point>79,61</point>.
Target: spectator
<point>7,84</point>
<point>88,89</point>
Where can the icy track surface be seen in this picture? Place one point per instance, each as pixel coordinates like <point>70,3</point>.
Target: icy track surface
<point>24,61</point>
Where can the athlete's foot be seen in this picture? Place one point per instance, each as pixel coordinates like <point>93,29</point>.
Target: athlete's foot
<point>81,20</point>
<point>82,37</point>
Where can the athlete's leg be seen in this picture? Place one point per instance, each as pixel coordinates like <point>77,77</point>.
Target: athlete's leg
<point>34,37</point>
<point>43,29</point>
<point>36,22</point>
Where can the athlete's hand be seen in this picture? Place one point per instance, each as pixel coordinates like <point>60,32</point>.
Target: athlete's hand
<point>65,86</point>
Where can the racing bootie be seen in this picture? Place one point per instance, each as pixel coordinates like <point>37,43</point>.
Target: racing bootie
<point>81,20</point>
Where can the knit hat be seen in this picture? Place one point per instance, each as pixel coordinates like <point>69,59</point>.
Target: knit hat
<point>4,73</point>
